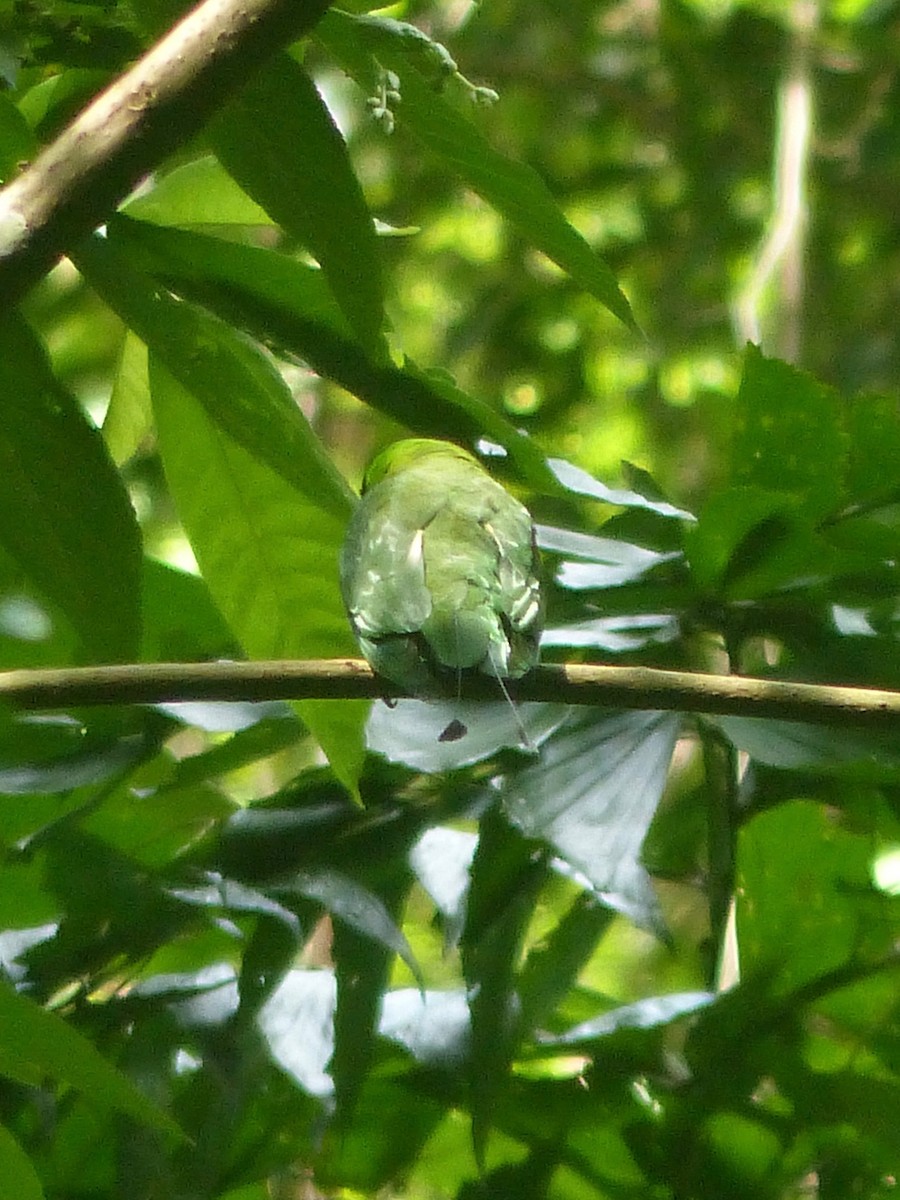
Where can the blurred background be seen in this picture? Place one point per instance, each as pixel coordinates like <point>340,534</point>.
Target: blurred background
<point>735,163</point>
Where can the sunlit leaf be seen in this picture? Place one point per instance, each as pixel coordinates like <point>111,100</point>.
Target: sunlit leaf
<point>19,1176</point>
<point>513,188</point>
<point>789,435</point>
<point>643,1014</point>
<point>410,731</point>
<point>298,169</point>
<point>592,796</point>
<point>804,923</point>
<point>37,1043</point>
<point>577,480</point>
<point>200,192</point>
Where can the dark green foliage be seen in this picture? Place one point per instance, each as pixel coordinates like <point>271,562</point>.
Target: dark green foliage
<point>659,960</point>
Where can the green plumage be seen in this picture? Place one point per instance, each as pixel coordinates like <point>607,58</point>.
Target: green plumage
<point>439,569</point>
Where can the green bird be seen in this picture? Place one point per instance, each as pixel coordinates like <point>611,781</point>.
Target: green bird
<point>439,570</point>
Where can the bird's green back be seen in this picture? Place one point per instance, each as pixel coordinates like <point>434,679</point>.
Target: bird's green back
<point>439,568</point>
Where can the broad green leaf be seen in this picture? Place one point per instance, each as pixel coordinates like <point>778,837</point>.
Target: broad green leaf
<point>129,417</point>
<point>792,746</point>
<point>37,1043</point>
<point>507,873</point>
<point>218,268</point>
<point>19,1176</point>
<point>65,516</point>
<point>642,1014</point>
<point>237,385</point>
<point>288,306</point>
<point>873,428</point>
<point>262,504</point>
<point>196,193</point>
<point>392,1121</point>
<point>273,733</point>
<point>264,844</point>
<point>526,1180</point>
<point>113,911</point>
<point>789,435</point>
<point>267,550</point>
<point>167,821</point>
<point>513,188</point>
<point>800,924</point>
<point>592,796</point>
<point>599,562</point>
<point>269,953</point>
<point>750,541</point>
<point>181,622</point>
<point>85,764</point>
<point>34,632</point>
<point>298,169</point>
<point>409,732</point>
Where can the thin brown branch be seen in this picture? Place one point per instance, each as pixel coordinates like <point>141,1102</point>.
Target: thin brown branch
<point>353,679</point>
<point>160,103</point>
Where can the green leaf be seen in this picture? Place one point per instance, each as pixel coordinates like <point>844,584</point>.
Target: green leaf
<point>601,562</point>
<point>749,542</point>
<point>552,967</point>
<point>181,622</point>
<point>873,428</point>
<point>37,1043</point>
<point>792,746</point>
<point>392,1123</point>
<point>263,505</point>
<point>577,480</point>
<point>298,169</point>
<point>19,1176</point>
<point>129,415</point>
<point>236,384</point>
<point>217,268</point>
<point>260,740</point>
<point>288,307</point>
<point>65,516</point>
<point>789,435</point>
<point>162,826</point>
<point>362,967</point>
<point>592,796</point>
<point>801,924</point>
<point>84,764</point>
<point>17,142</point>
<point>513,188</point>
<point>196,193</point>
<point>507,872</point>
<point>359,909</point>
<point>267,551</point>
<point>649,1013</point>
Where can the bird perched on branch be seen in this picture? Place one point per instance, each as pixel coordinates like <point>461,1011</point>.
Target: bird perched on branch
<point>439,570</point>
